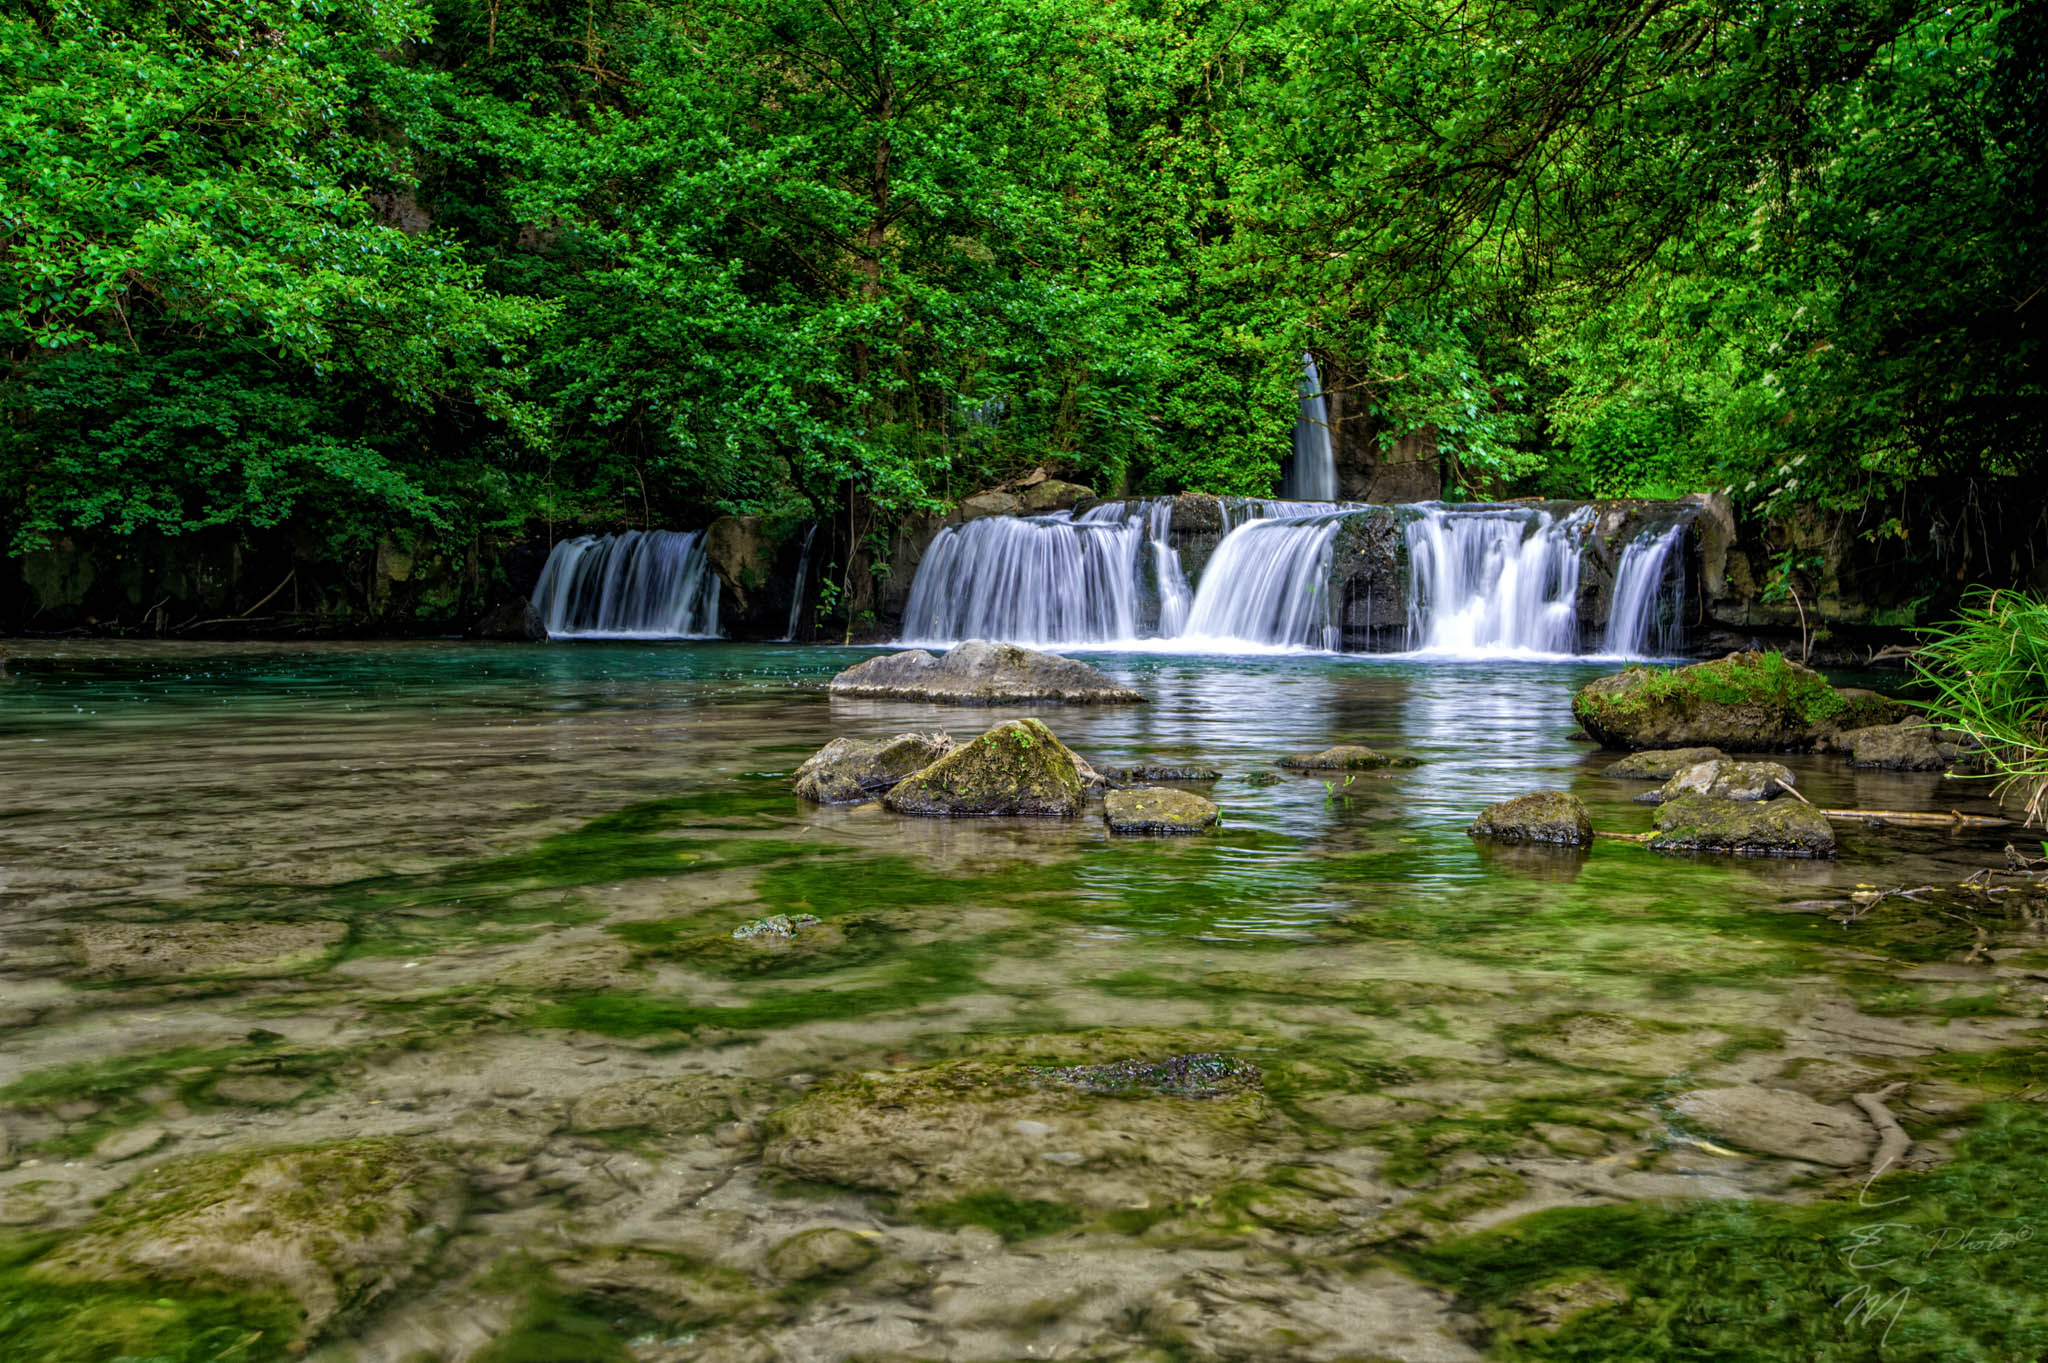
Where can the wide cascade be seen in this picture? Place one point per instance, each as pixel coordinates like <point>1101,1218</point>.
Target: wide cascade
<point>1269,581</point>
<point>1057,579</point>
<point>1494,580</point>
<point>1311,474</point>
<point>1647,616</point>
<point>642,584</point>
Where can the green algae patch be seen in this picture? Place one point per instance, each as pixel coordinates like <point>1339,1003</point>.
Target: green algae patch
<point>1007,1216</point>
<point>48,1322</point>
<point>1920,1267</point>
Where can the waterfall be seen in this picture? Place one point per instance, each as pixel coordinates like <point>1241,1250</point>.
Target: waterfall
<point>1269,583</point>
<point>1311,475</point>
<point>1494,580</point>
<point>1056,579</point>
<point>642,584</point>
<point>796,593</point>
<point>1645,620</point>
<point>1174,595</point>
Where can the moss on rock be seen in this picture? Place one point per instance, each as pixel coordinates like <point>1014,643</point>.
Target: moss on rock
<point>1151,809</point>
<point>1343,757</point>
<point>850,770</point>
<point>1785,828</point>
<point>1745,702</point>
<point>1019,767</point>
<point>1549,816</point>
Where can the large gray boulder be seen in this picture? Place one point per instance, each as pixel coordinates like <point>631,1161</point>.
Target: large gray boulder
<point>1724,778</point>
<point>1745,702</point>
<point>1894,747</point>
<point>978,672</point>
<point>1157,810</point>
<point>1014,768</point>
<point>1783,828</point>
<point>849,770</point>
<point>1549,816</point>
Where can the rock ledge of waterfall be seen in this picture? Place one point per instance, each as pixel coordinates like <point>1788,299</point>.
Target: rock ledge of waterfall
<point>978,672</point>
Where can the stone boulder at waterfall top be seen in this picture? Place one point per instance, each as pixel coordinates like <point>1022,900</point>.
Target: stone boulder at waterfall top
<point>1015,768</point>
<point>1745,702</point>
<point>978,672</point>
<point>849,770</point>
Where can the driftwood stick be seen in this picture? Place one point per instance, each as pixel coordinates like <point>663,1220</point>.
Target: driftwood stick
<point>1893,1144</point>
<point>1952,819</point>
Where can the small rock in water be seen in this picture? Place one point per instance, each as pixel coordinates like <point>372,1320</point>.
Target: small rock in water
<point>1157,810</point>
<point>1659,764</point>
<point>827,1252</point>
<point>1724,778</point>
<point>1343,757</point>
<point>1020,767</point>
<point>1548,816</point>
<point>127,1145</point>
<point>1893,747</point>
<point>1774,1122</point>
<point>1204,1075</point>
<point>1784,828</point>
<point>1146,773</point>
<point>849,770</point>
<point>1261,778</point>
<point>775,926</point>
<point>978,672</point>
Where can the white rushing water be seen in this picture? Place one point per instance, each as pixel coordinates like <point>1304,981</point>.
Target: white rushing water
<point>1268,583</point>
<point>1645,619</point>
<point>1311,475</point>
<point>1487,581</point>
<point>642,584</point>
<point>796,592</point>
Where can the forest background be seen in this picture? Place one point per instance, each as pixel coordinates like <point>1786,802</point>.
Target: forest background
<point>336,270</point>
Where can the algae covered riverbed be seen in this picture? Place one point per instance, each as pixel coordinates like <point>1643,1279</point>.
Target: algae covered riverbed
<point>384,1002</point>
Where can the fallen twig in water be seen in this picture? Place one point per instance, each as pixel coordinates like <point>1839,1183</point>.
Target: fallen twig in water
<point>1893,1144</point>
<point>1952,819</point>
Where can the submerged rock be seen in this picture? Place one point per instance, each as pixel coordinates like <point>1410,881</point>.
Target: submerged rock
<point>1894,747</point>
<point>825,1252</point>
<point>1015,768</point>
<point>981,673</point>
<point>1154,809</point>
<point>676,1106</point>
<point>331,1227</point>
<point>1784,828</point>
<point>1659,764</point>
<point>1549,816</point>
<point>1745,702</point>
<point>1775,1122</point>
<point>1343,757</point>
<point>1724,779</point>
<point>850,770</point>
<point>1203,1075</point>
<point>126,951</point>
<point>1144,773</point>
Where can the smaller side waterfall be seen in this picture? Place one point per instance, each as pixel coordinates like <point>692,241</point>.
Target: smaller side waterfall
<point>796,592</point>
<point>1494,580</point>
<point>1028,580</point>
<point>1175,597</point>
<point>642,584</point>
<point>1311,475</point>
<point>1269,583</point>
<point>1646,620</point>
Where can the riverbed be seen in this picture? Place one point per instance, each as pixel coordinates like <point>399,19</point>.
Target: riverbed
<point>471,908</point>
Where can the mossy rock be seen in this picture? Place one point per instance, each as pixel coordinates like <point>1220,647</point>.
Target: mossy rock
<point>978,672</point>
<point>675,1106</point>
<point>1783,828</point>
<point>1343,757</point>
<point>1190,773</point>
<point>1545,816</point>
<point>331,1227</point>
<point>1724,778</point>
<point>850,770</point>
<point>1156,810</point>
<point>1659,764</point>
<point>1016,768</point>
<point>1745,702</point>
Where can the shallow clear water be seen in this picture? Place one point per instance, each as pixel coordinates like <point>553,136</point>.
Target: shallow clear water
<point>515,871</point>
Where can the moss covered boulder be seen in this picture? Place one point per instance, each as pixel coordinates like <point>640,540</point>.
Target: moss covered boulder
<point>1659,764</point>
<point>331,1228</point>
<point>1158,811</point>
<point>981,673</point>
<point>1745,702</point>
<point>1547,816</point>
<point>1782,828</point>
<point>1015,768</point>
<point>850,770</point>
<point>1343,757</point>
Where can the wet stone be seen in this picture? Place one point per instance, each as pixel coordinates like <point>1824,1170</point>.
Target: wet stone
<point>125,951</point>
<point>1894,747</point>
<point>1784,828</point>
<point>1157,811</point>
<point>850,770</point>
<point>130,1144</point>
<point>1343,757</point>
<point>1182,1076</point>
<point>1725,779</point>
<point>978,672</point>
<point>1659,764</point>
<point>1545,816</point>
<point>1190,774</point>
<point>1776,1122</point>
<point>827,1252</point>
<point>1016,768</point>
<point>780,926</point>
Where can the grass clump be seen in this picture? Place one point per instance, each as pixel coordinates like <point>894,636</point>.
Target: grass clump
<point>1989,674</point>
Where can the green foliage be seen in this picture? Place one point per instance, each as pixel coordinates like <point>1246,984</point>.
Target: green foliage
<point>1989,674</point>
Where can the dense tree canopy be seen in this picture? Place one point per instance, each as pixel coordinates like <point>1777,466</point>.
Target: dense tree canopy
<point>350,265</point>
